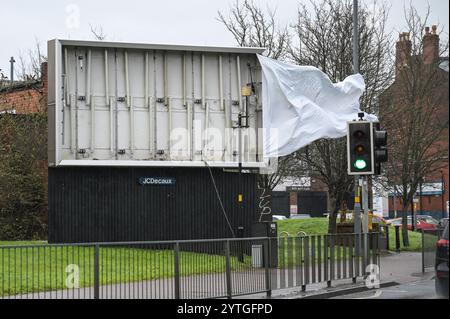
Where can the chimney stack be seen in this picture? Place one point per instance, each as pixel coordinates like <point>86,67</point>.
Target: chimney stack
<point>430,46</point>
<point>403,52</point>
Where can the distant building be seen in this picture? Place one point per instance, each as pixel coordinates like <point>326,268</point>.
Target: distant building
<point>433,197</point>
<point>301,195</point>
<point>25,97</point>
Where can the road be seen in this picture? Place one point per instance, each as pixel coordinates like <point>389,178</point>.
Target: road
<point>423,289</point>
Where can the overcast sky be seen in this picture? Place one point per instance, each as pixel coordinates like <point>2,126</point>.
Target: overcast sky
<point>150,21</point>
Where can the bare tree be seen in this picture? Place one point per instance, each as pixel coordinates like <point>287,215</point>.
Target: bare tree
<point>30,62</point>
<point>3,78</point>
<point>97,32</point>
<point>415,111</point>
<point>323,38</point>
<point>252,26</point>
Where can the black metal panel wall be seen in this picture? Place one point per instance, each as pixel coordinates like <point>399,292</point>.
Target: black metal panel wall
<point>95,204</point>
<point>312,203</point>
<point>281,204</point>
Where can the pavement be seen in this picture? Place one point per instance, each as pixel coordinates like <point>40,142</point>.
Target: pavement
<point>401,278</point>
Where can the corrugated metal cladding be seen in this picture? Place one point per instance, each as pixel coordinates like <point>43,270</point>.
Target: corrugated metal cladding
<point>97,204</point>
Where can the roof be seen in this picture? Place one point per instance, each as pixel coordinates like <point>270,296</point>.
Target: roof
<point>150,46</point>
<point>20,85</point>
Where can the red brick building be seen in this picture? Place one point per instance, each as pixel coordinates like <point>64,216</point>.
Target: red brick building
<point>433,194</point>
<point>25,97</point>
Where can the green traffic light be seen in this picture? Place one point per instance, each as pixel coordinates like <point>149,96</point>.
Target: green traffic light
<point>360,164</point>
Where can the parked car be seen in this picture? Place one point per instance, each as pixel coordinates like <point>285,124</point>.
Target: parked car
<point>300,216</point>
<point>278,217</point>
<point>441,278</point>
<point>420,224</point>
<point>428,219</point>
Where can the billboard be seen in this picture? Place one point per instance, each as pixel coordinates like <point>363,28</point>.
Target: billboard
<point>122,104</point>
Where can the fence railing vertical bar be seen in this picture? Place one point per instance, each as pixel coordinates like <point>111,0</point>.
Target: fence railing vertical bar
<point>176,263</point>
<point>290,262</point>
<point>228,269</point>
<point>358,254</point>
<point>300,269</point>
<point>266,260</point>
<point>345,260</point>
<point>313,259</point>
<point>96,272</point>
<point>338,256</point>
<point>281,257</point>
<point>332,263</point>
<point>307,255</point>
<point>366,254</point>
<point>274,263</point>
<point>423,249</point>
<point>386,231</point>
<point>379,255</point>
<point>375,250</point>
<point>351,255</point>
<point>319,257</point>
<point>326,261</point>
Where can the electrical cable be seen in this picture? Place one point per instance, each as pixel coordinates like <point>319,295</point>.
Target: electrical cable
<point>220,199</point>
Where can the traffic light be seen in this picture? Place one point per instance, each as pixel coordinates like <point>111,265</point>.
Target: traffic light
<point>380,147</point>
<point>360,151</point>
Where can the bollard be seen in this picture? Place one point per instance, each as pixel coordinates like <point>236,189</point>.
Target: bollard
<point>397,239</point>
<point>387,236</point>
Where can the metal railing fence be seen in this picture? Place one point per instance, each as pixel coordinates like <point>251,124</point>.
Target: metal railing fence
<point>218,268</point>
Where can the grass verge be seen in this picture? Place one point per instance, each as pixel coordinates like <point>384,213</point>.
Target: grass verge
<point>46,268</point>
<point>319,226</point>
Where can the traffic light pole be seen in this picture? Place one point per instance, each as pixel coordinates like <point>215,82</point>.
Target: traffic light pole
<point>358,180</point>
<point>365,226</point>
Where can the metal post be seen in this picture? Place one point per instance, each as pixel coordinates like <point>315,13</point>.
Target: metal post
<point>365,206</point>
<point>397,239</point>
<point>355,37</point>
<point>395,200</point>
<point>332,264</point>
<point>176,263</point>
<point>420,196</point>
<point>12,61</point>
<point>228,269</point>
<point>357,214</point>
<point>387,236</point>
<point>266,267</point>
<point>357,207</point>
<point>423,252</point>
<point>240,144</point>
<point>96,272</point>
<point>444,214</point>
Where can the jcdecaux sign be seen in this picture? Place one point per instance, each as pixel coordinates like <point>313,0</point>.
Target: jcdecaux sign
<point>162,181</point>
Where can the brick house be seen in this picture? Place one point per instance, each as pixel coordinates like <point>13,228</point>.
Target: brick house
<point>25,97</point>
<point>433,194</point>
